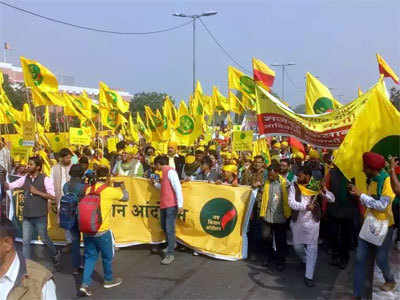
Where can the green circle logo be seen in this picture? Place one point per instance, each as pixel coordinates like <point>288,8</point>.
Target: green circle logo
<point>323,105</point>
<point>186,125</point>
<point>57,139</point>
<point>165,122</point>
<point>247,84</point>
<point>80,132</point>
<point>21,142</point>
<point>388,146</point>
<point>35,73</point>
<point>242,136</point>
<point>218,217</point>
<point>112,118</point>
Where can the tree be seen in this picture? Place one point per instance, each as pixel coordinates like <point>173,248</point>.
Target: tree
<point>300,109</point>
<point>395,97</point>
<point>16,92</point>
<point>153,99</point>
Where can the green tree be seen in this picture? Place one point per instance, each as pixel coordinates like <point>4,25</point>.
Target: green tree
<point>16,92</point>
<point>395,97</point>
<point>153,99</point>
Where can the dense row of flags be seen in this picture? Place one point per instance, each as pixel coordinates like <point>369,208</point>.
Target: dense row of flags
<point>183,123</point>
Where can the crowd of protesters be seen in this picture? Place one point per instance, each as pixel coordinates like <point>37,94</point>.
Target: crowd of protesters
<point>303,201</point>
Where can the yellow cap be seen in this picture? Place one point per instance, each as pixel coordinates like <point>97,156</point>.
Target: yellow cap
<point>277,145</point>
<point>298,155</point>
<point>189,159</point>
<point>314,154</point>
<point>230,168</point>
<point>286,144</point>
<point>212,147</point>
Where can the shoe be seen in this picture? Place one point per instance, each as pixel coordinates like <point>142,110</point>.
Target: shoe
<point>388,286</point>
<point>113,283</point>
<point>76,272</point>
<point>84,291</point>
<point>308,282</point>
<point>280,267</point>
<point>168,260</point>
<point>195,253</point>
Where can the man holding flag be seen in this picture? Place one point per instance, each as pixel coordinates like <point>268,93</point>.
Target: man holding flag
<point>378,202</point>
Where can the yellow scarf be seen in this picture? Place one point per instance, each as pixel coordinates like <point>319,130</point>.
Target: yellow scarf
<point>265,198</point>
<point>307,192</point>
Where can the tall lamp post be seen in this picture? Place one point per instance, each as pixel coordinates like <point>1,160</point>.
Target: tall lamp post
<point>194,18</point>
<point>283,66</point>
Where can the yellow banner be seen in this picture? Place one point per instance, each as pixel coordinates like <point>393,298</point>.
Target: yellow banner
<point>28,133</point>
<point>79,136</point>
<point>242,140</point>
<point>214,221</point>
<point>324,130</point>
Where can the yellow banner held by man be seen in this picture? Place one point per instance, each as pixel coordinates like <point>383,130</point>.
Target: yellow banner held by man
<point>213,222</point>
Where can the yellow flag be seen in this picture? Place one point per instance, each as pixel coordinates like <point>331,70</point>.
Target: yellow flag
<point>170,112</point>
<point>260,147</point>
<point>40,98</point>
<point>386,70</point>
<point>221,102</point>
<point>239,81</point>
<point>132,130</point>
<point>109,118</point>
<point>112,99</point>
<point>46,168</point>
<point>236,105</point>
<point>318,97</point>
<point>189,129</point>
<point>47,124</point>
<point>27,114</point>
<point>142,128</point>
<point>360,92</point>
<point>375,129</point>
<point>38,76</point>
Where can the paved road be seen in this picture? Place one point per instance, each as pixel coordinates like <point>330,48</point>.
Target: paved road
<point>202,277</point>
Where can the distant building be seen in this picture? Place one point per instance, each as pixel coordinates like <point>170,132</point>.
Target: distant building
<point>66,83</point>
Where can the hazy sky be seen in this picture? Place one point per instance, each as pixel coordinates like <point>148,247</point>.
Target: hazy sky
<point>335,40</point>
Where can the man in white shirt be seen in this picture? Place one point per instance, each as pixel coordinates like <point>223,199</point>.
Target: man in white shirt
<point>5,157</point>
<point>20,278</point>
<point>60,175</point>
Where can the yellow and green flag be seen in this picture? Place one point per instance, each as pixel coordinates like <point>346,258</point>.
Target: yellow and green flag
<point>112,99</point>
<point>375,129</point>
<point>319,98</point>
<point>38,76</point>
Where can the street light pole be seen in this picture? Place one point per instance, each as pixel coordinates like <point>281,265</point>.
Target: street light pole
<point>194,18</point>
<point>194,54</point>
<point>283,66</point>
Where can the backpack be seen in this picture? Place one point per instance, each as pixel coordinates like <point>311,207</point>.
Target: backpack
<point>68,206</point>
<point>89,211</point>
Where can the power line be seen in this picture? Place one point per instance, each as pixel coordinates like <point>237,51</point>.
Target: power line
<point>92,28</point>
<point>222,48</point>
<point>291,81</point>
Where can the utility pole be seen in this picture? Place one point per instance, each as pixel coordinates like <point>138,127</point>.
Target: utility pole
<point>283,66</point>
<point>194,18</point>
